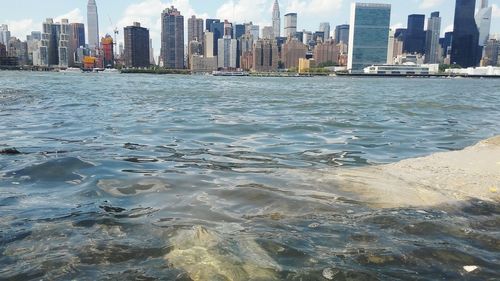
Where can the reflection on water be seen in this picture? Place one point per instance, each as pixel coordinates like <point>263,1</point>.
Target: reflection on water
<point>189,178</point>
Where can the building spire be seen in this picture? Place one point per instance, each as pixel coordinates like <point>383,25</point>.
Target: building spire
<point>276,19</point>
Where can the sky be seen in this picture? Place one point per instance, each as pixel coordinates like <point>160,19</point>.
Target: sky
<point>24,16</point>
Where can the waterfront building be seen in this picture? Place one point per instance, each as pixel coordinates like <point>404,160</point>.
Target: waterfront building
<point>3,50</point>
<point>491,53</point>
<point>342,33</point>
<point>18,49</point>
<point>4,34</point>
<point>293,50</point>
<point>475,71</point>
<point>32,42</point>
<point>76,41</point>
<point>290,24</point>
<point>327,53</point>
<point>245,46</point>
<point>55,38</point>
<point>465,49</point>
<point>195,48</point>
<point>151,53</point>
<point>305,65</point>
<point>268,32</point>
<point>108,54</point>
<point>227,58</point>
<point>445,43</point>
<point>405,69</point>
<point>265,55</point>
<point>208,44</point>
<point>276,20</point>
<point>483,22</point>
<point>369,35</point>
<point>195,29</point>
<point>172,38</point>
<point>432,48</point>
<point>239,31</point>
<point>93,24</point>
<point>414,41</point>
<point>136,49</point>
<point>325,28</point>
<point>201,64</point>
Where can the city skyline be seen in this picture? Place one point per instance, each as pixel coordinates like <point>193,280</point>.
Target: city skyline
<point>22,21</point>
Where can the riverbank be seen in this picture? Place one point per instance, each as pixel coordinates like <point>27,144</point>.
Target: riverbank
<point>438,179</point>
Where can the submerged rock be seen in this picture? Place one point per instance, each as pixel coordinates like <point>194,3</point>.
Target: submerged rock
<point>204,255</point>
<point>10,151</point>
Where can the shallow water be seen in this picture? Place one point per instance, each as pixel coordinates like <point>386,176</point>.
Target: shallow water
<point>188,178</point>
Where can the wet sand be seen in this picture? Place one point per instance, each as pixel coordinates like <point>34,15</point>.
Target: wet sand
<point>438,179</point>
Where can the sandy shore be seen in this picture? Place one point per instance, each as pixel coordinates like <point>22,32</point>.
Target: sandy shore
<point>438,179</point>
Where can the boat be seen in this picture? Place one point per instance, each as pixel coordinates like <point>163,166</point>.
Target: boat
<point>110,71</point>
<point>230,73</point>
<point>71,70</point>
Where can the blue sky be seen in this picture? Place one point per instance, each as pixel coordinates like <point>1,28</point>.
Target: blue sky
<point>29,16</point>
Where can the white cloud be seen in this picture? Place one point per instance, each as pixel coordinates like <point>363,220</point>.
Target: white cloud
<point>427,4</point>
<point>241,11</point>
<point>314,8</point>
<point>21,28</point>
<point>73,16</point>
<point>397,25</point>
<point>496,11</point>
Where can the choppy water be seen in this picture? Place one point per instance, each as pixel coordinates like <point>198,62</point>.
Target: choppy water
<point>178,178</point>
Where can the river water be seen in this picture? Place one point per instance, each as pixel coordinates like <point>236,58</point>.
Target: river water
<point>146,177</point>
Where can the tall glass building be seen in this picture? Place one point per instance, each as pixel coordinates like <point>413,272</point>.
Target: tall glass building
<point>414,41</point>
<point>369,35</point>
<point>465,49</point>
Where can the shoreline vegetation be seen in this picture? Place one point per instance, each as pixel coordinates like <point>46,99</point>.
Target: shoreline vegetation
<point>315,73</point>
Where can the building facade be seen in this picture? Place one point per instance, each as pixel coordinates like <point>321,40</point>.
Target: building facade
<point>172,38</point>
<point>290,24</point>
<point>93,24</point>
<point>76,41</point>
<point>327,52</point>
<point>369,35</point>
<point>465,50</point>
<point>325,28</point>
<point>414,41</point>
<point>228,51</point>
<point>108,54</point>
<point>265,55</point>
<point>293,50</point>
<point>195,29</point>
<point>483,22</point>
<point>267,32</point>
<point>432,47</point>
<point>342,33</point>
<point>136,49</point>
<point>4,34</point>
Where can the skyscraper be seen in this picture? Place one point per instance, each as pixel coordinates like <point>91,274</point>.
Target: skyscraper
<point>415,35</point>
<point>238,30</point>
<point>483,21</point>
<point>227,52</point>
<point>290,24</point>
<point>268,32</point>
<point>4,34</point>
<point>342,33</point>
<point>465,43</point>
<point>136,49</point>
<point>172,38</point>
<point>369,35</point>
<point>432,49</point>
<point>195,29</point>
<point>325,28</point>
<point>55,43</point>
<point>293,51</point>
<point>276,19</point>
<point>93,24</point>
<point>76,40</point>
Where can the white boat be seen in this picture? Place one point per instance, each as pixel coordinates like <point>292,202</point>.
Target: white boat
<point>230,73</point>
<point>110,71</point>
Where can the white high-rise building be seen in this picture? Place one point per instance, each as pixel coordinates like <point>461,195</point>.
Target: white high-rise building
<point>63,44</point>
<point>325,27</point>
<point>276,19</point>
<point>268,32</point>
<point>290,24</point>
<point>92,25</point>
<point>4,34</point>
<point>228,50</point>
<point>483,22</point>
<point>208,44</point>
